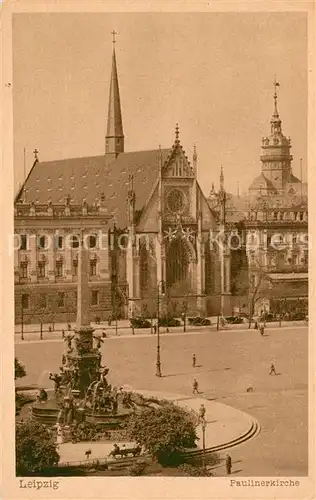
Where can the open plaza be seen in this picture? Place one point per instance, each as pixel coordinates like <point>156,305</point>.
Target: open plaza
<point>232,368</point>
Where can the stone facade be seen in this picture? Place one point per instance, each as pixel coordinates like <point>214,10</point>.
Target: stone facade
<point>46,261</point>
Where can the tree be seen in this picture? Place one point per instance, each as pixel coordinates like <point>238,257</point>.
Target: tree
<point>35,448</point>
<point>19,369</point>
<point>163,432</point>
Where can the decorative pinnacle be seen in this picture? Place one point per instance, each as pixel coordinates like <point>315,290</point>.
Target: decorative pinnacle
<point>114,33</point>
<point>36,154</point>
<point>222,179</point>
<point>275,96</point>
<point>177,132</point>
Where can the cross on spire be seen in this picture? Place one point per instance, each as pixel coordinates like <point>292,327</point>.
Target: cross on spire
<point>35,154</point>
<point>114,33</point>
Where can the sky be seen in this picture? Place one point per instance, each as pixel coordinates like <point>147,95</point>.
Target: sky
<point>212,73</point>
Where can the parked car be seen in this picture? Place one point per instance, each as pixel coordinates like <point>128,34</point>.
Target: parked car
<point>169,321</point>
<point>234,320</point>
<point>140,323</point>
<point>267,317</point>
<point>298,316</point>
<point>198,321</point>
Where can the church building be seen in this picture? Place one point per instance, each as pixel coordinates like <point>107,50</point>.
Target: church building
<point>146,222</point>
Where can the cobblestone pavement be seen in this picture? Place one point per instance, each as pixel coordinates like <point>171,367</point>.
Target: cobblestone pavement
<point>228,363</point>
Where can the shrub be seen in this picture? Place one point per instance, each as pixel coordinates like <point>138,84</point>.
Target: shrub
<point>193,470</point>
<point>19,369</point>
<point>137,469</point>
<point>164,432</point>
<point>87,431</point>
<point>35,448</point>
<point>20,401</point>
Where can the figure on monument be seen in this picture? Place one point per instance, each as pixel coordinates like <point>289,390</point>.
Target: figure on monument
<point>68,339</point>
<point>57,381</point>
<point>103,372</point>
<point>68,406</point>
<point>98,341</point>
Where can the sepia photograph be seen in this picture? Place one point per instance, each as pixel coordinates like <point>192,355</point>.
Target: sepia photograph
<point>160,246</point>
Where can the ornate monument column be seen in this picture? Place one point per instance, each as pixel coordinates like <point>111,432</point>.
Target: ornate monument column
<point>83,360</point>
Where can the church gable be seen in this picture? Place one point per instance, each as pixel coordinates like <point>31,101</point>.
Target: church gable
<point>178,165</point>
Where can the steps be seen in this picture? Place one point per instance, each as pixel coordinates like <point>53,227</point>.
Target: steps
<point>252,432</point>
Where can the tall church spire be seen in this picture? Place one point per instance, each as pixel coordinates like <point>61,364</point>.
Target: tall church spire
<point>114,143</point>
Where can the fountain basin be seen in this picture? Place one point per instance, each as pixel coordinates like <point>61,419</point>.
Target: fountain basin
<point>47,413</point>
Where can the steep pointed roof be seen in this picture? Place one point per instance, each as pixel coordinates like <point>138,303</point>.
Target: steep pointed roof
<point>91,178</point>
<point>115,124</point>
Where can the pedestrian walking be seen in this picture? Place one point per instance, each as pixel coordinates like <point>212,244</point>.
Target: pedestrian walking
<point>194,361</point>
<point>261,329</point>
<point>63,333</point>
<point>202,412</point>
<point>228,464</point>
<point>195,387</point>
<point>104,334</point>
<point>155,328</point>
<point>272,369</point>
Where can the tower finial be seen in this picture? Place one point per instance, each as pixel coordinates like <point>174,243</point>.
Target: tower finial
<point>114,33</point>
<point>275,96</point>
<point>177,132</point>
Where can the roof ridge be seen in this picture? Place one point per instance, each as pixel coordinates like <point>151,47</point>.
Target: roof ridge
<point>102,155</point>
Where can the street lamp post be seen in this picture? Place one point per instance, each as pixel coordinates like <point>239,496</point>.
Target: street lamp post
<point>128,310</point>
<point>158,362</point>
<point>184,316</point>
<point>203,426</point>
<point>22,319</point>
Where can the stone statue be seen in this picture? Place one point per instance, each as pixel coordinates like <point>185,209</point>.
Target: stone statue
<point>103,373</point>
<point>68,410</point>
<point>68,339</point>
<point>56,379</point>
<point>98,342</point>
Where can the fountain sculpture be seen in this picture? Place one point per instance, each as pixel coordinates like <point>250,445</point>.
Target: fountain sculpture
<point>82,392</point>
